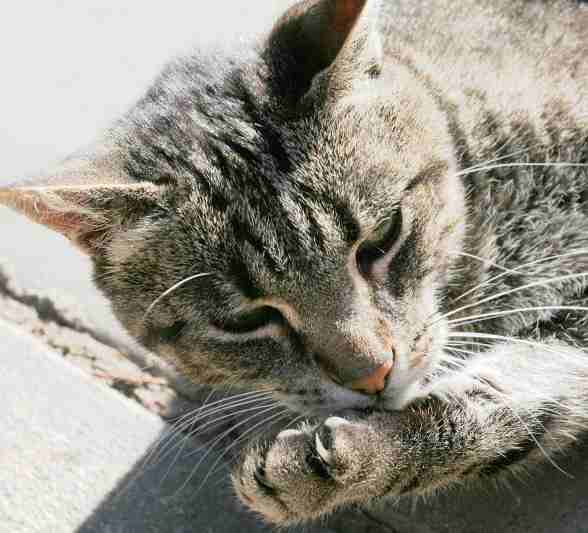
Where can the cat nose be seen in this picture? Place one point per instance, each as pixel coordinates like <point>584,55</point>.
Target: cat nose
<point>375,382</point>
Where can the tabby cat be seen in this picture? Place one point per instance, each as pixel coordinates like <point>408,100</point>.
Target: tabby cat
<point>377,214</point>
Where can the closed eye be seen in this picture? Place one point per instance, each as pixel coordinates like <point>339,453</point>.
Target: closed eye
<point>253,320</point>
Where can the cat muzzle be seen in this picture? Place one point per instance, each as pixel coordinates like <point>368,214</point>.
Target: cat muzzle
<point>375,382</point>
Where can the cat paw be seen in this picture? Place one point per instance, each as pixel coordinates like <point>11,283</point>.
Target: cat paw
<point>305,473</point>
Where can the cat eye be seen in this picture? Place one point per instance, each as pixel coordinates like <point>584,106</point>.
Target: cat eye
<point>380,242</point>
<point>253,320</point>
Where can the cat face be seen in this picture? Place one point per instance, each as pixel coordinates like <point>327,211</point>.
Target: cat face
<point>283,221</point>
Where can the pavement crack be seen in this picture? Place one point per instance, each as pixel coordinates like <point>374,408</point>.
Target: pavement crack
<point>131,371</point>
<point>47,309</point>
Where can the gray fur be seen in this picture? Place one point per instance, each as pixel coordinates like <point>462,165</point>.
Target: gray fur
<point>269,170</point>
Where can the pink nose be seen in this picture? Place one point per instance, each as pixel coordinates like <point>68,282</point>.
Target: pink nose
<point>375,382</point>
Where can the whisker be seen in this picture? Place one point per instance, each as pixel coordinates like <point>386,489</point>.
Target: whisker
<point>213,441</point>
<point>161,444</point>
<point>506,271</point>
<point>232,401</point>
<point>474,319</point>
<point>501,158</point>
<point>488,262</point>
<point>468,343</point>
<point>458,362</point>
<point>461,363</point>
<point>504,401</point>
<point>210,424</point>
<point>532,435</point>
<point>516,165</point>
<point>158,446</point>
<point>511,291</point>
<point>235,397</point>
<point>165,437</point>
<point>275,417</point>
<point>196,415</point>
<point>172,289</point>
<point>258,412</point>
<point>515,270</point>
<point>219,438</point>
<point>491,336</point>
<point>178,425</point>
<point>293,421</point>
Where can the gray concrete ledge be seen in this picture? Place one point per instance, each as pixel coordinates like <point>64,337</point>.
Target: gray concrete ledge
<point>73,459</point>
<point>72,456</point>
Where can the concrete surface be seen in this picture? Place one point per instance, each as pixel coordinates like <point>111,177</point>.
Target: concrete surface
<point>73,457</point>
<point>69,445</point>
<point>66,444</point>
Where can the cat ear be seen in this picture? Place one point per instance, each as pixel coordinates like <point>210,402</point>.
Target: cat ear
<point>314,35</point>
<point>85,199</point>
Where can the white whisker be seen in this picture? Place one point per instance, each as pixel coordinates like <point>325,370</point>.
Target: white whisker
<point>512,291</point>
<point>172,289</point>
<point>210,424</point>
<point>292,422</point>
<point>196,415</point>
<point>466,352</point>
<point>517,165</point>
<point>531,433</point>
<point>504,401</point>
<point>220,437</point>
<point>490,336</point>
<point>517,271</point>
<point>501,158</point>
<point>275,417</point>
<point>474,319</point>
<point>469,343</point>
<point>488,262</point>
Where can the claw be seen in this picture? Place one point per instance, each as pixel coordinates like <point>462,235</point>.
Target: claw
<point>323,452</point>
<point>288,433</point>
<point>333,422</point>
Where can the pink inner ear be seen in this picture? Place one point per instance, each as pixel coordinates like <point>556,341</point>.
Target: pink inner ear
<point>31,204</point>
<point>346,14</point>
<point>69,224</point>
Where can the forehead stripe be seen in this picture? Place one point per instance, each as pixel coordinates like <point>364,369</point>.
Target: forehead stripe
<point>345,219</point>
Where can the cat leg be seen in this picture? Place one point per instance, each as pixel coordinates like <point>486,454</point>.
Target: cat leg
<point>515,404</point>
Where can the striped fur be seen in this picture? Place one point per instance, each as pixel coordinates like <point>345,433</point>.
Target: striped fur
<point>267,171</point>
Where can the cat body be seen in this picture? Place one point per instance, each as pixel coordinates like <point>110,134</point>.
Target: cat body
<point>379,215</point>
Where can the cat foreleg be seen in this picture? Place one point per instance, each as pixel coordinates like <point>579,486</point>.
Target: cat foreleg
<point>515,404</point>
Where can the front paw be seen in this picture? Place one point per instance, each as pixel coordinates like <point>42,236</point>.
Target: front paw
<point>305,473</point>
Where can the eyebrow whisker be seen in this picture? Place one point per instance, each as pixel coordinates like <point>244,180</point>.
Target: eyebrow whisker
<point>172,289</point>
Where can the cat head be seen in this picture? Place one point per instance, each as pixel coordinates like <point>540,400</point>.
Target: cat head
<point>278,218</point>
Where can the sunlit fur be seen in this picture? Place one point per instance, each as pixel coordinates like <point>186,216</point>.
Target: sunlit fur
<point>266,170</point>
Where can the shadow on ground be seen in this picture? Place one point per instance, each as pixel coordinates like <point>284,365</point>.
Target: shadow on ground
<point>163,493</point>
<point>155,498</point>
<point>548,499</point>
